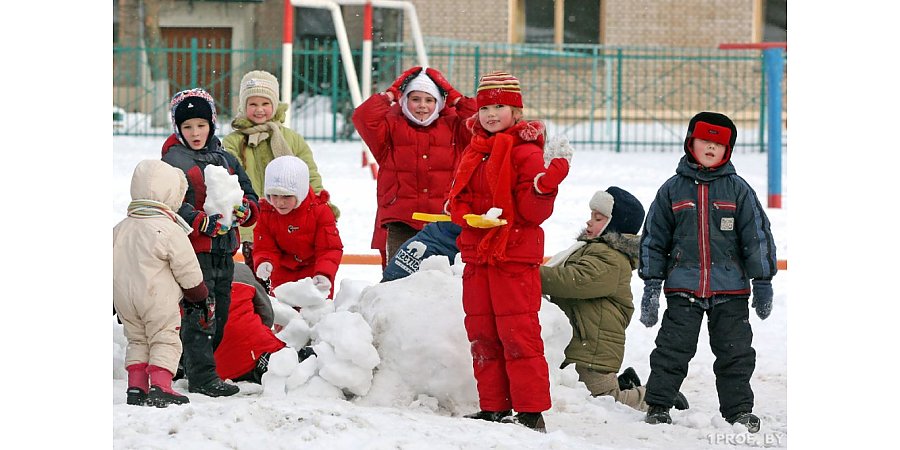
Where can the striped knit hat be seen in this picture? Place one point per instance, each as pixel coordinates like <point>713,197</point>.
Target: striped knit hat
<point>499,88</point>
<point>191,104</point>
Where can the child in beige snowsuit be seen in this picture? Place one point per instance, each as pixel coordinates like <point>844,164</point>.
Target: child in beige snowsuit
<point>154,266</point>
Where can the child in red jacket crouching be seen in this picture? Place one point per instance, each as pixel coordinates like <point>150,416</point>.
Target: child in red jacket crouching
<point>296,236</point>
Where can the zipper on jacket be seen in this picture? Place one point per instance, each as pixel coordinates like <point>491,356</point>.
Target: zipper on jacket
<point>703,239</point>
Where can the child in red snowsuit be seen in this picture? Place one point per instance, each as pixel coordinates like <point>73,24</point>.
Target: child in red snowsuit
<point>415,131</point>
<point>296,236</point>
<point>504,167</point>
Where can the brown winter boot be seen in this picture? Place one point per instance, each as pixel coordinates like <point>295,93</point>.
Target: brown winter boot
<point>138,384</point>
<point>161,393</point>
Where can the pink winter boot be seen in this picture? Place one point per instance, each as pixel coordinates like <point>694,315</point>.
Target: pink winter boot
<point>138,384</point>
<point>161,393</point>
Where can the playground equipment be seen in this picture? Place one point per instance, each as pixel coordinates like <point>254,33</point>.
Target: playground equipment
<point>340,30</point>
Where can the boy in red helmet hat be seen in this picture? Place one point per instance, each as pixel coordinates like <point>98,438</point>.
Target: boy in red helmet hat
<point>707,236</point>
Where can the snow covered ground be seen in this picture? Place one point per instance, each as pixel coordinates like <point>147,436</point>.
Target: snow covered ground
<point>423,382</point>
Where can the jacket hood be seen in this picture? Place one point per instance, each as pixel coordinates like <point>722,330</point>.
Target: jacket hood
<point>158,181</point>
<point>627,244</point>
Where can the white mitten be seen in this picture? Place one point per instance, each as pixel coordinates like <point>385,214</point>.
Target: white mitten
<point>321,283</point>
<point>558,147</point>
<point>264,270</point>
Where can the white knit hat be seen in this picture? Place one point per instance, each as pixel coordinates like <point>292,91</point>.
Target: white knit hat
<point>422,83</point>
<point>602,202</point>
<point>258,83</point>
<point>287,175</point>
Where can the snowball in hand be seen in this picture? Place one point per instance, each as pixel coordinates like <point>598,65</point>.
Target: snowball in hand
<point>302,293</point>
<point>493,213</point>
<point>223,193</point>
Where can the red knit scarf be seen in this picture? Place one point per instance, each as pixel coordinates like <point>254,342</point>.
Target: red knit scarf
<point>500,178</point>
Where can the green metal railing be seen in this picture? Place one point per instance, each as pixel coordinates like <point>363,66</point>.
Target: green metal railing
<point>615,98</point>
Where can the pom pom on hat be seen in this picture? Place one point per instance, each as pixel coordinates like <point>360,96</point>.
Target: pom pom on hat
<point>258,83</point>
<point>499,88</point>
<point>287,175</point>
<point>625,212</point>
<point>192,104</point>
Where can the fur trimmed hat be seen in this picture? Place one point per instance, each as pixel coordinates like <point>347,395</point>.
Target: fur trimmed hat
<point>258,83</point>
<point>287,175</point>
<point>499,88</point>
<point>713,127</point>
<point>422,83</point>
<point>192,104</point>
<point>625,212</point>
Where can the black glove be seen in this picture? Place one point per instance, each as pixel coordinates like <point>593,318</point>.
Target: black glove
<point>762,298</point>
<point>650,302</point>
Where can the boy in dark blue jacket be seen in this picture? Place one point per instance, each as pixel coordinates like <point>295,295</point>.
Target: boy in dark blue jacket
<point>192,147</point>
<point>707,235</point>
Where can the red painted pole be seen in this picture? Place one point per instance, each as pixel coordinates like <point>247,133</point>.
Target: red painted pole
<point>287,58</point>
<point>368,159</point>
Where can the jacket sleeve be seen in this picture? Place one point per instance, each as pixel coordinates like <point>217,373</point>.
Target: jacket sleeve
<point>182,259</point>
<point>656,238</point>
<point>586,277</point>
<point>262,305</point>
<point>466,107</point>
<point>371,124</point>
<point>232,143</point>
<point>533,207</point>
<point>757,243</point>
<point>329,248</point>
<point>301,150</point>
<point>264,247</point>
<point>247,187</point>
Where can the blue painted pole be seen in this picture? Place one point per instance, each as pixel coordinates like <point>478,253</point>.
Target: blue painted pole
<point>773,58</point>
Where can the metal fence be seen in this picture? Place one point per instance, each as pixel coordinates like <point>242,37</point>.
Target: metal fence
<point>615,98</point>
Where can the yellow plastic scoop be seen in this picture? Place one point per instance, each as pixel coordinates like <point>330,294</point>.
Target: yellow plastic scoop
<point>425,217</point>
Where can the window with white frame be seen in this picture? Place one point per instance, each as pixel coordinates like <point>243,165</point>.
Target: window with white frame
<point>557,22</point>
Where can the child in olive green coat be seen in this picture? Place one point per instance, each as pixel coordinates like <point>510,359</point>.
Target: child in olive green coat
<point>591,282</point>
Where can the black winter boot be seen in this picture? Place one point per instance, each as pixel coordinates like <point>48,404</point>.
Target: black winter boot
<point>681,402</point>
<point>160,398</point>
<point>629,379</point>
<point>657,414</point>
<point>746,419</point>
<point>136,396</point>
<point>305,353</point>
<point>215,388</point>
<point>535,421</point>
<point>490,416</point>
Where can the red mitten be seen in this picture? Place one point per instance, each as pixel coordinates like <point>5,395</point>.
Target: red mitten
<point>400,83</point>
<point>446,88</point>
<point>547,181</point>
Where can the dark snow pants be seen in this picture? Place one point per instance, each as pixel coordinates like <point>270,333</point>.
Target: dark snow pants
<point>200,332</point>
<point>730,339</point>
<point>501,305</point>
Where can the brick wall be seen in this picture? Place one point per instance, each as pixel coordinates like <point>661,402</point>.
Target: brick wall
<point>678,23</point>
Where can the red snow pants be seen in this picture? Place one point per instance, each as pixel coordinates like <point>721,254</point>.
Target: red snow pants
<point>501,305</point>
